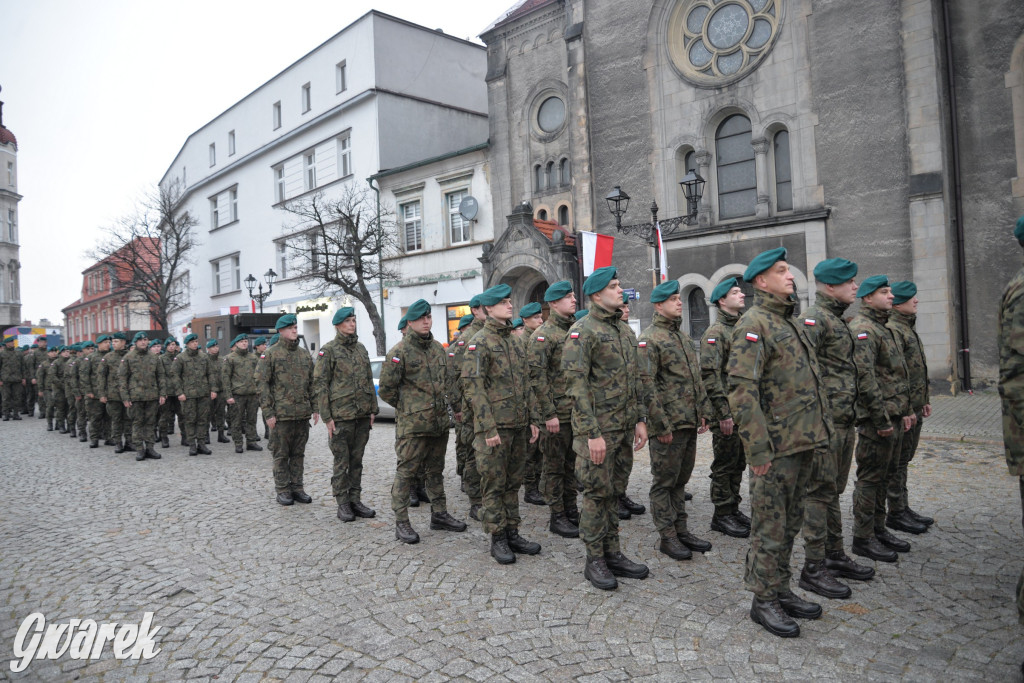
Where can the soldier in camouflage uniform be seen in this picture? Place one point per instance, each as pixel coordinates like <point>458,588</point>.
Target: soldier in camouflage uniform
<point>347,402</point>
<point>504,421</point>
<point>39,355</point>
<point>12,379</point>
<point>45,395</point>
<point>464,453</point>
<point>608,419</point>
<point>627,507</point>
<point>728,462</point>
<point>143,386</point>
<point>781,411</point>
<point>83,372</point>
<point>544,354</point>
<point>413,380</point>
<point>108,387</point>
<point>172,406</point>
<point>530,318</point>
<point>901,322</point>
<point>89,375</point>
<point>219,406</point>
<point>259,347</point>
<point>238,384</point>
<point>1011,385</point>
<point>194,380</point>
<point>71,393</point>
<point>55,385</point>
<point>678,410</point>
<point>284,376</point>
<point>883,415</point>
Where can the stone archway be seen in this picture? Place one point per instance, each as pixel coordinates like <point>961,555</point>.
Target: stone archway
<point>525,281</point>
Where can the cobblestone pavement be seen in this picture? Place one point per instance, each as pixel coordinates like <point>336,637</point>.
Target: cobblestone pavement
<point>965,417</point>
<point>244,589</point>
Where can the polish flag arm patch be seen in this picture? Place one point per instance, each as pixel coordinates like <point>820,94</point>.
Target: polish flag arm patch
<point>810,322</point>
<point>471,347</point>
<point>262,355</point>
<point>712,340</point>
<point>642,345</point>
<point>396,359</point>
<point>320,354</point>
<point>574,335</point>
<point>862,336</point>
<point>462,342</point>
<point>752,337</point>
<point>540,338</point>
<point>451,354</point>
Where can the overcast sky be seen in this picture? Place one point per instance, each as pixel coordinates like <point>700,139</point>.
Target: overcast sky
<point>102,94</point>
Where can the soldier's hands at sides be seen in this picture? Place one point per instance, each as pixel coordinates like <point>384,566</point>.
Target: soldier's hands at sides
<point>761,470</point>
<point>534,433</point>
<point>927,411</point>
<point>127,404</point>
<point>271,422</point>
<point>181,397</point>
<point>458,417</point>
<point>40,393</point>
<point>103,399</point>
<point>597,449</point>
<point>639,436</point>
<point>330,428</point>
<point>372,416</point>
<point>552,425</point>
<point>885,433</point>
<point>33,381</point>
<point>213,395</point>
<point>163,399</point>
<point>703,425</point>
<point>908,423</point>
<point>90,396</point>
<point>913,419</point>
<point>665,438</point>
<point>231,401</point>
<point>493,441</point>
<point>316,418</point>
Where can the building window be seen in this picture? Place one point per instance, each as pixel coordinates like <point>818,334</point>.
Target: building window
<point>117,319</point>
<point>12,226</point>
<point>563,172</point>
<point>550,180</point>
<point>10,173</point>
<point>737,181</point>
<point>277,115</point>
<point>345,155</point>
<point>542,214</point>
<point>207,331</point>
<point>279,183</point>
<point>282,260</point>
<point>412,226</point>
<point>233,203</point>
<point>309,169</point>
<point>341,77</point>
<point>13,274</point>
<point>700,317</point>
<point>226,275</point>
<point>538,178</point>
<point>458,226</point>
<point>551,114</point>
<point>305,98</point>
<point>231,143</point>
<point>563,215</point>
<point>213,154</point>
<point>783,174</point>
<point>215,213</point>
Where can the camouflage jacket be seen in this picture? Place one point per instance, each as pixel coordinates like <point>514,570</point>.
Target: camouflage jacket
<point>238,374</point>
<point>833,345</point>
<point>343,380</point>
<point>902,327</point>
<point>12,367</point>
<point>216,367</point>
<point>41,372</point>
<point>544,354</point>
<point>776,393</point>
<point>108,384</point>
<point>55,375</point>
<point>884,389</point>
<point>456,356</point>
<point>284,377</point>
<point>193,374</point>
<point>168,359</point>
<point>71,388</point>
<point>678,399</point>
<point>1011,371</point>
<point>412,379</point>
<point>38,357</point>
<point>603,375</point>
<point>496,375</point>
<point>714,357</point>
<point>89,372</point>
<point>141,376</point>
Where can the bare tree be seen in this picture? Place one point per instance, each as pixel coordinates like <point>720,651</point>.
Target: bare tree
<point>148,252</point>
<point>342,245</point>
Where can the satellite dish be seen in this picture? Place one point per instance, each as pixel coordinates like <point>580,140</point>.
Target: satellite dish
<point>469,207</point>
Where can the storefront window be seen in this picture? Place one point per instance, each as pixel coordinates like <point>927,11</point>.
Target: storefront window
<point>453,315</point>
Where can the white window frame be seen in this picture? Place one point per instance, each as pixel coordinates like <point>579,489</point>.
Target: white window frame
<point>214,212</point>
<point>453,217</point>
<point>282,259</point>
<point>232,264</point>
<point>309,169</point>
<point>418,219</point>
<point>341,77</point>
<point>277,114</point>
<point>279,184</point>
<point>213,154</point>
<point>307,98</point>
<point>345,155</point>
<point>10,173</point>
<point>12,225</point>
<point>233,204</point>
<point>231,143</point>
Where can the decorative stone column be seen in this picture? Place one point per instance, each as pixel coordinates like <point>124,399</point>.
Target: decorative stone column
<point>706,215</point>
<point>761,175</point>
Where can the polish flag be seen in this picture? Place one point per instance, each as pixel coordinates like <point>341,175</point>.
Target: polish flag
<point>662,256</point>
<point>597,251</point>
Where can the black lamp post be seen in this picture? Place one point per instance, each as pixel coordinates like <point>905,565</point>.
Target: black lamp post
<point>261,296</point>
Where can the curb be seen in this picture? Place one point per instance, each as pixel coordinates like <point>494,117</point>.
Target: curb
<point>963,438</point>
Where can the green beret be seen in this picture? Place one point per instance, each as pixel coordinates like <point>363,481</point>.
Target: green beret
<point>723,288</point>
<point>9,338</point>
<point>465,320</point>
<point>762,262</point>
<point>625,298</point>
<point>41,337</point>
<point>138,336</point>
<point>419,308</point>
<point>52,348</point>
<point>259,341</point>
<point>835,271</point>
<point>61,348</point>
<point>88,344</point>
<point>579,315</point>
<point>241,337</point>
<point>402,323</point>
<point>102,338</point>
<point>343,314</point>
<point>191,337</point>
<point>286,321</point>
<point>599,279</point>
<point>1018,232</point>
<point>903,291</point>
<point>273,340</point>
<point>119,335</point>
<point>475,302</point>
<point>532,308</point>
<point>871,284</point>
<point>664,291</point>
<point>213,342</point>
<point>560,289</point>
<point>155,342</point>
<point>517,323</point>
<point>170,340</point>
<point>492,296</point>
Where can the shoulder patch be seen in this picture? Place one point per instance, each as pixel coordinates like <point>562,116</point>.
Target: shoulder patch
<point>574,335</point>
<point>712,340</point>
<point>263,355</point>
<point>862,336</point>
<point>471,347</point>
<point>752,337</point>
<point>451,354</point>
<point>540,338</point>
<point>396,359</point>
<point>642,345</point>
<point>810,322</point>
<point>321,353</point>
<point>462,342</point>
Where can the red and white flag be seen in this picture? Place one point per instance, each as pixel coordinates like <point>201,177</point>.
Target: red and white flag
<point>662,256</point>
<point>597,251</point>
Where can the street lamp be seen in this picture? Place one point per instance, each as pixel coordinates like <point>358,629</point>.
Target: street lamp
<point>261,296</point>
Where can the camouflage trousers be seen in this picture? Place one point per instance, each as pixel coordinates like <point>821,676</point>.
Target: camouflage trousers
<point>168,411</point>
<point>534,469</point>
<point>470,471</point>
<point>46,407</point>
<point>1020,581</point>
<point>99,421</point>
<point>419,457</point>
<point>71,410</point>
<point>623,468</point>
<point>30,397</point>
<point>599,516</point>
<point>288,444</point>
<point>501,474</point>
<point>897,491</point>
<point>195,418</point>
<point>59,405</point>
<point>82,413</point>
<point>144,415</point>
<point>12,395</point>
<point>671,467</point>
<point>118,415</point>
<point>347,445</point>
<point>726,476</point>
<point>218,412</point>
<point>777,513</point>
<point>823,520</point>
<point>559,468</point>
<point>876,457</point>
<point>243,419</point>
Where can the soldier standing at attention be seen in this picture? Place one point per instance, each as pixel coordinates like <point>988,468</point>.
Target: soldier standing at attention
<point>238,385</point>
<point>902,320</point>
<point>504,421</point>
<point>544,354</point>
<point>172,406</point>
<point>90,376</point>
<point>219,406</point>
<point>194,380</point>
<point>883,415</point>
<point>109,388</point>
<point>83,372</point>
<point>55,385</point>
<point>466,462</point>
<point>627,507</point>
<point>833,347</point>
<point>71,391</point>
<point>259,347</point>
<point>609,418</point>
<point>12,379</point>
<point>1010,335</point>
<point>728,462</point>
<point>39,355</point>
<point>531,318</point>
<point>143,385</point>
<point>347,402</point>
<point>781,414</point>
<point>45,397</point>
<point>284,376</point>
<point>678,411</point>
<point>413,380</point>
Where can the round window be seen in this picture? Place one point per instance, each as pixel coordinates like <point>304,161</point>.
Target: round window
<point>551,114</point>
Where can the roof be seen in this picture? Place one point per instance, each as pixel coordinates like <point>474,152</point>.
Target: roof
<point>7,137</point>
<point>520,9</point>
<point>548,228</point>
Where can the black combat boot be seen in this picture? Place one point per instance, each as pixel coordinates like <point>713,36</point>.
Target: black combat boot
<point>239,448</point>
<point>840,564</point>
<point>184,441</point>
<point>533,496</point>
<point>95,443</point>
<point>128,445</point>
<point>816,578</point>
<point>561,525</point>
<point>500,550</point>
<point>201,448</point>
<point>917,517</point>
<point>285,498</point>
<point>405,533</point>
<point>520,545</point>
<point>140,455</point>
<point>193,449</point>
<point>633,507</point>
<point>872,549</point>
<point>474,511</point>
<point>623,512</point>
<point>150,453</point>
<point>17,416</point>
<point>253,446</point>
<point>164,441</point>
<point>886,538</point>
<point>63,427</point>
<point>49,424</point>
<point>71,431</point>
<point>345,512</point>
<point>573,515</point>
<point>221,438</point>
<point>620,565</point>
<point>797,607</point>
<point>770,615</point>
<point>598,574</point>
<point>120,446</point>
<point>362,510</point>
<point>697,545</point>
<point>109,442</point>
<point>301,496</point>
<point>673,547</point>
<point>421,492</point>
<point>83,436</point>
<point>730,526</point>
<point>901,521</point>
<point>442,521</point>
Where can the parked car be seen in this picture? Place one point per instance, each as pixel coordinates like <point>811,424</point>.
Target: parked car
<point>387,411</point>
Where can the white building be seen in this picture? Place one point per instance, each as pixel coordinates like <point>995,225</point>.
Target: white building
<point>10,265</point>
<point>354,106</point>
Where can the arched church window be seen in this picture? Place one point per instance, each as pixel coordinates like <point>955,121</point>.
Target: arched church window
<point>783,174</point>
<point>737,178</point>
<point>563,215</point>
<point>700,317</point>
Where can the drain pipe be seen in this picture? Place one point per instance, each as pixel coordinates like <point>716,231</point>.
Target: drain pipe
<point>958,209</point>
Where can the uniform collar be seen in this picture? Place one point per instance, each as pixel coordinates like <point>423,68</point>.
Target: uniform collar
<point>421,341</point>
<point>830,304</point>
<point>878,316</point>
<point>562,321</point>
<point>610,317</point>
<point>667,323</point>
<point>908,320</point>
<point>727,319</point>
<point>347,339</point>
<point>783,307</point>
<point>504,328</point>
